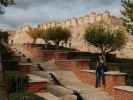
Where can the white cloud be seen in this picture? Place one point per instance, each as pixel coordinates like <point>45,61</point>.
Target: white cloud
<point>38,11</point>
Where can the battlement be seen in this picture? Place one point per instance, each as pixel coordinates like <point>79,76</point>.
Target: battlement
<point>77,25</point>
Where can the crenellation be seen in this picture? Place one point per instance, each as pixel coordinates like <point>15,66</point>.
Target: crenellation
<point>99,17</point>
<point>73,22</point>
<point>86,19</point>
<point>76,25</point>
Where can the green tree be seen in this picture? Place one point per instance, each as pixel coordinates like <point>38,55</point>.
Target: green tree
<point>58,35</point>
<point>5,3</point>
<point>4,36</point>
<point>16,82</point>
<point>43,34</point>
<point>34,33</point>
<point>127,13</point>
<point>105,38</point>
<point>24,96</point>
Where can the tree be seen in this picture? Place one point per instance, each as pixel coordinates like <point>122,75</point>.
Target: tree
<point>127,13</point>
<point>34,33</point>
<point>16,82</point>
<point>5,3</point>
<point>43,35</point>
<point>106,38</point>
<point>4,36</point>
<point>58,35</point>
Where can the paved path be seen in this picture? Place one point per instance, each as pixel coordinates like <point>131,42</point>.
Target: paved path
<point>71,82</point>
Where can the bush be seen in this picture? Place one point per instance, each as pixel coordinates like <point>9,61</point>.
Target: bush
<point>10,65</point>
<point>16,82</point>
<point>24,96</point>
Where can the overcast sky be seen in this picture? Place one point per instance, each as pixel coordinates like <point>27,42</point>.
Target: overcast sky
<point>33,12</point>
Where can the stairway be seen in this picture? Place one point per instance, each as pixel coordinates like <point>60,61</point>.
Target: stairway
<point>70,82</point>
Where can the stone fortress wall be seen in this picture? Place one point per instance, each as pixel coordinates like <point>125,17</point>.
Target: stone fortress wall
<point>76,25</point>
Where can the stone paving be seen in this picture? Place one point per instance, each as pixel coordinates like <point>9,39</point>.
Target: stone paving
<point>48,96</point>
<point>69,81</point>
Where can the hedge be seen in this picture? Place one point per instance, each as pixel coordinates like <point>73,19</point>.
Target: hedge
<point>15,81</point>
<point>24,96</point>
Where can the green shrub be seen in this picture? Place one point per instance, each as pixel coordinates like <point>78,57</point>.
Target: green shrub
<point>16,82</point>
<point>10,65</point>
<point>24,96</point>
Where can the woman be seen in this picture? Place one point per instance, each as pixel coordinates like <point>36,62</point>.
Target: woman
<point>100,69</point>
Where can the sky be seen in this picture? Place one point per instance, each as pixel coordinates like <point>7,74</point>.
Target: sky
<point>33,12</point>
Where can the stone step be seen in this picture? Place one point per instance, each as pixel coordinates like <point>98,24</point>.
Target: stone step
<point>59,90</point>
<point>48,96</point>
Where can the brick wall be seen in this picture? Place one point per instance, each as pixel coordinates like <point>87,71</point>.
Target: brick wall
<point>72,66</point>
<point>37,87</point>
<point>112,78</point>
<point>25,68</point>
<point>38,53</point>
<point>123,94</point>
<point>61,55</point>
<point>34,52</point>
<point>48,55</point>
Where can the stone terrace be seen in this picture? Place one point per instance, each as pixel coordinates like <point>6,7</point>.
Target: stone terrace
<point>64,78</point>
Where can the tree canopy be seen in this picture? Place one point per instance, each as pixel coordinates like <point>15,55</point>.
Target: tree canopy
<point>35,33</point>
<point>106,38</point>
<point>5,3</point>
<point>4,35</point>
<point>58,35</point>
<point>127,13</point>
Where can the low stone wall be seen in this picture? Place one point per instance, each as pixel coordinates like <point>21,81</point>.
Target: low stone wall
<point>75,66</point>
<point>123,93</point>
<point>54,54</point>
<point>36,84</point>
<point>33,52</point>
<point>48,96</point>
<point>112,79</point>
<point>78,64</point>
<point>38,53</point>
<point>25,68</point>
<point>36,87</point>
<point>61,55</point>
<point>48,55</point>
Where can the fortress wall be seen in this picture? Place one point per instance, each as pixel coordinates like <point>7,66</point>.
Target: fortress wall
<point>77,27</point>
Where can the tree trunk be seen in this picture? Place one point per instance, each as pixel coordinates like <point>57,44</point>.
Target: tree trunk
<point>57,45</point>
<point>103,52</point>
<point>46,44</point>
<point>34,41</point>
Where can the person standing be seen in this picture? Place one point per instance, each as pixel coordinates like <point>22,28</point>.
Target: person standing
<point>100,72</point>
